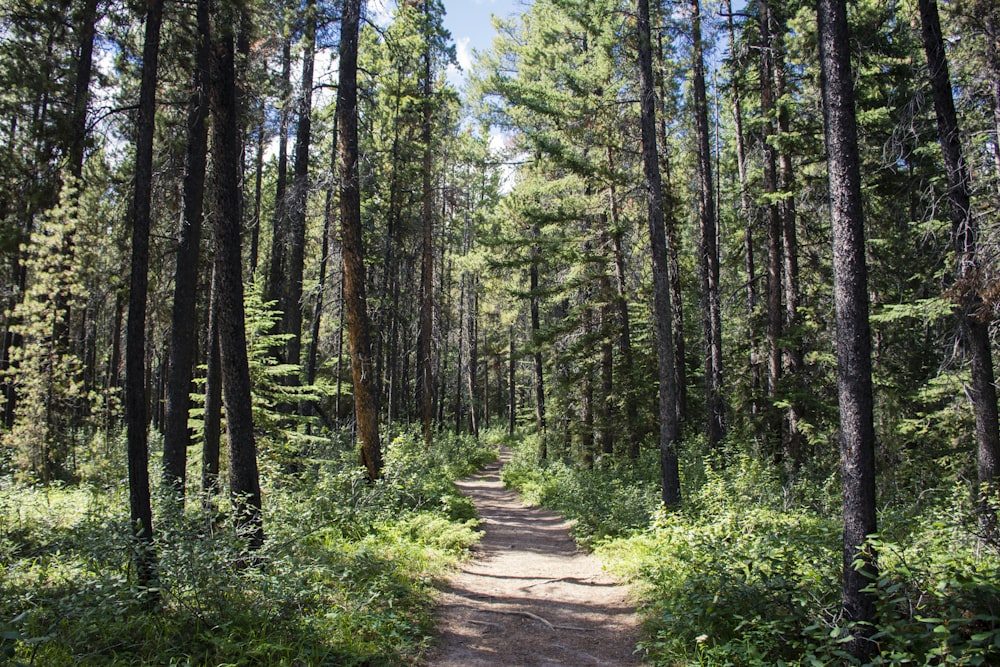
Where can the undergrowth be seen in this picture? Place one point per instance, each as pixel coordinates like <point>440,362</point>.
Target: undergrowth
<point>344,578</point>
<point>743,576</point>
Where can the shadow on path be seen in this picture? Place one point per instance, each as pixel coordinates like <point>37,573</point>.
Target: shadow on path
<point>530,597</point>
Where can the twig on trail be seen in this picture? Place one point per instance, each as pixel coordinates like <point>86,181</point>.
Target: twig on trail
<point>553,581</point>
<point>527,614</point>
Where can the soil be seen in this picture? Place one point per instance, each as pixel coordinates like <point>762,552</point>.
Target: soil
<point>529,596</point>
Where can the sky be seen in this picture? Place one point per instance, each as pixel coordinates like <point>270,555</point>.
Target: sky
<point>470,25</point>
<point>468,21</point>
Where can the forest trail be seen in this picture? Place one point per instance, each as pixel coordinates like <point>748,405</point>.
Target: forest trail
<point>529,597</point>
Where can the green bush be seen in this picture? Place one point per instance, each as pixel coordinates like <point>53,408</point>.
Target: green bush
<point>606,501</point>
<point>345,576</point>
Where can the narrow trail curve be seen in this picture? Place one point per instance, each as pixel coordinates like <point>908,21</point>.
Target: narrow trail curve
<point>530,597</point>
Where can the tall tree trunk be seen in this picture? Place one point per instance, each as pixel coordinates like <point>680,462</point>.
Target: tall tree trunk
<point>213,399</point>
<point>279,227</point>
<point>426,376</point>
<point>473,354</point>
<point>973,321</point>
<point>669,425</point>
<point>775,315</point>
<point>789,244</point>
<point>136,413</point>
<point>606,430</point>
<point>632,427</point>
<point>323,267</point>
<point>258,188</point>
<point>711,305</point>
<point>850,285</point>
<point>86,23</point>
<point>183,334</point>
<point>536,327</point>
<point>671,225</point>
<point>459,374</point>
<point>365,403</point>
<point>244,479</point>
<point>746,213</point>
<point>291,298</point>
<point>340,342</point>
<point>512,385</point>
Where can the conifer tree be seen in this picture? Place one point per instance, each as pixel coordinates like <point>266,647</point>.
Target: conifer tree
<point>854,365</point>
<point>47,373</point>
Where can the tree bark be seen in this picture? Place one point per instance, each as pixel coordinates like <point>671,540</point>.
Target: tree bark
<point>635,431</point>
<point>279,227</point>
<point>973,320</point>
<point>473,354</point>
<point>291,297</point>
<point>426,375</point>
<point>669,426</point>
<point>711,305</point>
<point>775,314</point>
<point>244,480</point>
<point>86,23</point>
<point>511,386</point>
<point>136,409</point>
<point>323,267</point>
<point>673,250</point>
<point>850,284</point>
<point>365,404</point>
<point>258,187</point>
<point>793,357</point>
<point>213,400</point>
<point>536,327</point>
<point>183,334</point>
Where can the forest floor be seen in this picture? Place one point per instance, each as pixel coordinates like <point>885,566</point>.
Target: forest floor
<point>529,596</point>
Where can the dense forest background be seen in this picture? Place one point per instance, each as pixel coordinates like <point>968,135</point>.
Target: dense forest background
<point>365,279</point>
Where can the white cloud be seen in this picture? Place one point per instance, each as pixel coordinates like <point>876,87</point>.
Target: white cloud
<point>380,11</point>
<point>464,53</point>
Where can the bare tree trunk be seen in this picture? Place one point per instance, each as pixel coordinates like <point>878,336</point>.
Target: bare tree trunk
<point>86,23</point>
<point>136,409</point>
<point>183,334</point>
<point>511,385</point>
<point>669,426</point>
<point>709,251</point>
<point>213,400</point>
<point>632,427</point>
<point>365,402</point>
<point>258,188</point>
<point>850,285</point>
<point>279,227</point>
<point>291,297</point>
<point>324,262</point>
<point>425,383</point>
<point>244,480</point>
<point>673,252</point>
<point>746,214</point>
<point>536,327</point>
<point>775,315</point>
<point>973,321</point>
<point>473,355</point>
<point>606,430</point>
<point>790,247</point>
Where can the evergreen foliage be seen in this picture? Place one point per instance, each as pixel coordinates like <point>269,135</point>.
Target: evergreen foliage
<point>528,268</point>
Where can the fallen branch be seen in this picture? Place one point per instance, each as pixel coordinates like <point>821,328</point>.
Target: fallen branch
<point>554,581</point>
<point>527,614</point>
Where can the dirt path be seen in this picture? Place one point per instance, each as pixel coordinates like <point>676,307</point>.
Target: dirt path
<point>530,597</point>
